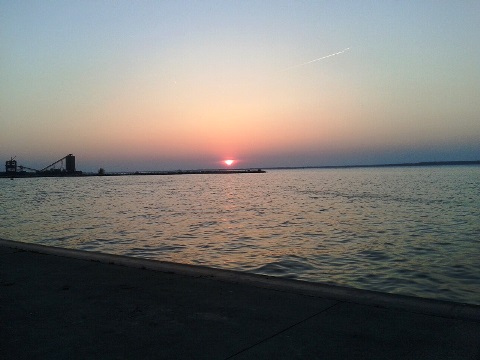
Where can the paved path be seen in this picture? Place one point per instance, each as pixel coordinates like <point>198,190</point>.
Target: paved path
<point>67,304</point>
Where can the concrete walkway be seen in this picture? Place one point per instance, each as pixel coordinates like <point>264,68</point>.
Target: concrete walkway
<point>68,304</point>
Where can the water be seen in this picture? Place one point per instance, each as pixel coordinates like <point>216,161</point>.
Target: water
<point>413,231</point>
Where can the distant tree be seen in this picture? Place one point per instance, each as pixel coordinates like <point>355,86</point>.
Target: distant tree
<point>101,171</point>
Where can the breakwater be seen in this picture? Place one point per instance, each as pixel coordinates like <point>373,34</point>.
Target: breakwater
<point>132,173</point>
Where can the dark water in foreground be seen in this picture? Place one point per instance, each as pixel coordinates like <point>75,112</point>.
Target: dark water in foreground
<point>413,231</point>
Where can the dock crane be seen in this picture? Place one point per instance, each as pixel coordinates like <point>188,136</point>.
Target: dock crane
<point>23,168</point>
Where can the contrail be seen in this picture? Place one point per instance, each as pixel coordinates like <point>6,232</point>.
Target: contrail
<point>312,61</point>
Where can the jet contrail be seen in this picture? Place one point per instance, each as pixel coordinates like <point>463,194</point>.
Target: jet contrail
<point>312,61</point>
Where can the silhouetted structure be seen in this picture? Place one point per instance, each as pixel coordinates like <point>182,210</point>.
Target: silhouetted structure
<point>63,167</point>
<point>70,163</point>
<point>11,166</point>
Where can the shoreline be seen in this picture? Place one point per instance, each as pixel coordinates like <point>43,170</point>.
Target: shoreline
<point>417,164</point>
<point>71,304</point>
<point>237,171</point>
<point>444,308</point>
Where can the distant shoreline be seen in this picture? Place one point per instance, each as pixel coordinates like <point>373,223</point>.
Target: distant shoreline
<point>426,163</point>
<point>235,171</point>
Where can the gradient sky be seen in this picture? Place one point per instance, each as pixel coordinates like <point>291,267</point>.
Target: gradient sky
<point>153,85</point>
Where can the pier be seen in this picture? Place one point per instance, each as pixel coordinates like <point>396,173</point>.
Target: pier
<point>132,173</point>
<point>65,167</point>
<point>190,172</point>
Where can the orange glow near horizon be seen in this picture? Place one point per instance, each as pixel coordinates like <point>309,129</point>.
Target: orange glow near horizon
<point>196,91</point>
<point>229,162</point>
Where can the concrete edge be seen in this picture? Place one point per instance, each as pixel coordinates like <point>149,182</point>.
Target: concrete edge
<point>431,307</point>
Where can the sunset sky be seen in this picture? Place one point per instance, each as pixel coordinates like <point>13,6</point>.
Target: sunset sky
<point>162,85</point>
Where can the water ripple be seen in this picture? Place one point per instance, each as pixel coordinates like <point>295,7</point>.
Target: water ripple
<point>411,231</point>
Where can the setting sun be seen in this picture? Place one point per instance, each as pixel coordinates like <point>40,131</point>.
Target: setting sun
<point>228,162</point>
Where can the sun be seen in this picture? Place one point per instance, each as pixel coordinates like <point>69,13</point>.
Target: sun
<point>228,162</point>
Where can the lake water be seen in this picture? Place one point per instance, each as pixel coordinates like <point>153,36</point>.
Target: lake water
<point>413,231</point>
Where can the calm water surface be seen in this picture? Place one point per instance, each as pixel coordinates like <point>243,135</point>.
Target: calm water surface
<point>413,231</point>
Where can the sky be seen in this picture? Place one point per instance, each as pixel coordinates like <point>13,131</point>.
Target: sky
<point>167,85</point>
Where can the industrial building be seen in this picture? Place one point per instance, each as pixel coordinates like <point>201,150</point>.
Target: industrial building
<point>62,167</point>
